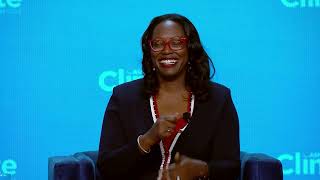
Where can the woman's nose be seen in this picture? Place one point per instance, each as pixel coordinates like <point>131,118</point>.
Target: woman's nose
<point>166,48</point>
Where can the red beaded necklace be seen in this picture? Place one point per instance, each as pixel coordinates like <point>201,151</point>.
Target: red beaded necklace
<point>155,104</point>
<point>181,123</point>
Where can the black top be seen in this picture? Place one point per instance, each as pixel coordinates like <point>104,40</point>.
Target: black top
<point>212,135</point>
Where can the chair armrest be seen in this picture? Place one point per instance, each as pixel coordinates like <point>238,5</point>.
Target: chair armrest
<point>78,167</point>
<point>256,166</point>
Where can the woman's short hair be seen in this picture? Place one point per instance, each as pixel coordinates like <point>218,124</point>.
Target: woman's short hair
<point>198,72</point>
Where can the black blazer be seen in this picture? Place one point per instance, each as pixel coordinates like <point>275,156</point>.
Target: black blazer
<point>212,135</point>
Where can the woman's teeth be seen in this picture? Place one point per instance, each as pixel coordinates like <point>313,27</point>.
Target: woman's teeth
<point>168,61</point>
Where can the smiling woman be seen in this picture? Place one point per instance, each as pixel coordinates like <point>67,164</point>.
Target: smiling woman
<point>174,123</point>
<point>170,61</point>
<point>173,27</point>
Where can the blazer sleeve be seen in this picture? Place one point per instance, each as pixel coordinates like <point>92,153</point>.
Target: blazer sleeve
<point>225,157</point>
<point>117,157</point>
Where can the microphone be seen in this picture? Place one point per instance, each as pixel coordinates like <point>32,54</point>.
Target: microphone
<point>186,116</point>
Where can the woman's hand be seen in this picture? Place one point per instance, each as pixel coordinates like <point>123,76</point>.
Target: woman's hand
<point>186,168</point>
<point>162,128</point>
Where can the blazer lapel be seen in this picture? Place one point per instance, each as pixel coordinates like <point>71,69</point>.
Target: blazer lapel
<point>147,113</point>
<point>197,113</point>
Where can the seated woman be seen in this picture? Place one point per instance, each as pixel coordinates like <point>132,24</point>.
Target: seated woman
<point>174,123</point>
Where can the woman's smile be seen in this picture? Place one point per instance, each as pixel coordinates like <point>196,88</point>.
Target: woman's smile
<point>168,62</point>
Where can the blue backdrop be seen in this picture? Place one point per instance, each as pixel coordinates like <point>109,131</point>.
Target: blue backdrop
<point>60,59</point>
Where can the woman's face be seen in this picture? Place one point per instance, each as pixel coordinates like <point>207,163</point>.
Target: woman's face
<point>170,62</point>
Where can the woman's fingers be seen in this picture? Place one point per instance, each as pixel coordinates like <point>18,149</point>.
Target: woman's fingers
<point>164,127</point>
<point>167,128</point>
<point>166,124</point>
<point>177,158</point>
<point>171,118</point>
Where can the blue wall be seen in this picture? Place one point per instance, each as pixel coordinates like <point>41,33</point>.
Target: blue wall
<point>60,59</point>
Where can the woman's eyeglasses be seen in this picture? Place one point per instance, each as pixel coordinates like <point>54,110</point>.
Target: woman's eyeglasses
<point>175,43</point>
